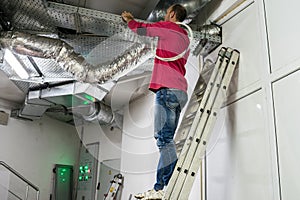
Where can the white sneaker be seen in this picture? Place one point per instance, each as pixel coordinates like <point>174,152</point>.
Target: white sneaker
<point>140,195</point>
<point>150,195</point>
<point>155,195</point>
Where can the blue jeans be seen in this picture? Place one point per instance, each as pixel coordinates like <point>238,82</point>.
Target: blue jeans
<point>168,105</point>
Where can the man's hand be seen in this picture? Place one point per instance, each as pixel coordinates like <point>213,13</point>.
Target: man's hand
<point>127,16</point>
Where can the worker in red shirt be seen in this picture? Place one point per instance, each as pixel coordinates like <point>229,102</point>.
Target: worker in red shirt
<point>170,86</point>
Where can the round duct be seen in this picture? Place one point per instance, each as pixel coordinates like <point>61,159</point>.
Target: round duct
<point>99,112</point>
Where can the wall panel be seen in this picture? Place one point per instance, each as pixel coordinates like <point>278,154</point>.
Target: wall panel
<point>245,32</point>
<point>287,109</point>
<point>283,32</point>
<point>238,155</point>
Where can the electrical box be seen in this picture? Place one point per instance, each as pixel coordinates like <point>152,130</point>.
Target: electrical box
<point>87,172</point>
<point>63,182</point>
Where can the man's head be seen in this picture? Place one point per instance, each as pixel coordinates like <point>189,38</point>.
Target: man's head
<point>175,13</point>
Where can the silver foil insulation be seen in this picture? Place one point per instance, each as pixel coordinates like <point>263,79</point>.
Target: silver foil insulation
<point>64,54</point>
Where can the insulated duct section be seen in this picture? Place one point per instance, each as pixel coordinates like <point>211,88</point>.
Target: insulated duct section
<point>70,61</point>
<point>27,15</point>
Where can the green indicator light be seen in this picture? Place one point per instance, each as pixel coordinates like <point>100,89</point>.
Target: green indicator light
<point>86,167</point>
<point>80,167</point>
<point>86,103</point>
<point>88,97</point>
<point>63,170</point>
<point>63,180</point>
<point>80,178</point>
<point>86,178</point>
<point>61,174</point>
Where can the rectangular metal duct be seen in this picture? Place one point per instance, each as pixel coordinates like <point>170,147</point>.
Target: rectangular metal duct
<point>70,96</point>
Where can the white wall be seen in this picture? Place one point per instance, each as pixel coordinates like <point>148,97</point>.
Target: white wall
<point>238,158</point>
<point>253,152</point>
<point>32,148</point>
<point>283,34</point>
<point>285,65</point>
<point>287,108</point>
<point>109,140</point>
<point>139,153</point>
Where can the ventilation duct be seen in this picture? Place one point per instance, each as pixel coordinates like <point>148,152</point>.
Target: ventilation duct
<point>79,99</point>
<point>97,112</point>
<point>60,56</point>
<point>76,95</point>
<point>70,61</point>
<point>27,15</point>
<point>193,8</point>
<point>107,24</point>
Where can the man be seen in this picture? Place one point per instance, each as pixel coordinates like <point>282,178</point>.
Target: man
<point>170,86</point>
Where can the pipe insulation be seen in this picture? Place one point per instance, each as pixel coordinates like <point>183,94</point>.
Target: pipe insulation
<point>52,48</point>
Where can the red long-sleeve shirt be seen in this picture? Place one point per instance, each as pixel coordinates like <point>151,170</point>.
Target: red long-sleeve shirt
<point>172,41</point>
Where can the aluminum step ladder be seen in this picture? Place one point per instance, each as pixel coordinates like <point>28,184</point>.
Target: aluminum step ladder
<point>193,105</point>
<point>116,183</point>
<point>199,130</point>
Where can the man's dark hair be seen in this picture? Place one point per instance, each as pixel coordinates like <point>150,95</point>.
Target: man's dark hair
<point>180,12</point>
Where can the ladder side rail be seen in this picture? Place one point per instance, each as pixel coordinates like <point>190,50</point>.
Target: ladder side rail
<point>201,107</point>
<point>196,161</point>
<point>200,92</point>
<point>110,194</point>
<point>196,120</point>
<point>190,136</point>
<point>114,187</point>
<point>204,99</point>
<point>184,170</point>
<point>195,101</point>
